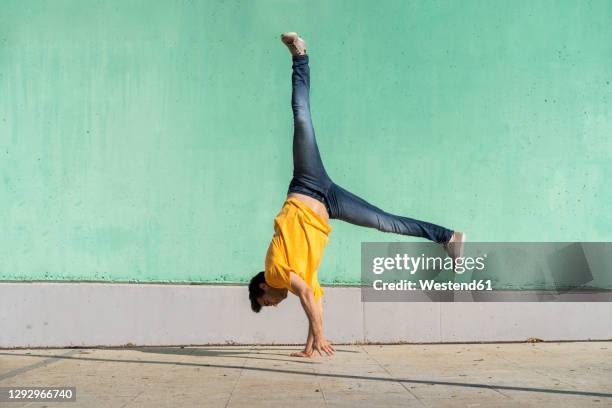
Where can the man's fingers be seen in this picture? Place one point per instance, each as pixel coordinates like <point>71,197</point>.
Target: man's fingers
<point>324,347</point>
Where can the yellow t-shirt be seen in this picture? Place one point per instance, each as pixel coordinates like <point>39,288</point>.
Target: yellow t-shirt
<point>300,236</point>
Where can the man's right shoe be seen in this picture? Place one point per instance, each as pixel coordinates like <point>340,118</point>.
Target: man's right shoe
<point>296,45</point>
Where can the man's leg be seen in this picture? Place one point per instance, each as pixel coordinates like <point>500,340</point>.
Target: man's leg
<point>346,206</point>
<point>307,164</point>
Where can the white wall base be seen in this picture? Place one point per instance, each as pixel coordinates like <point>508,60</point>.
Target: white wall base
<point>101,314</point>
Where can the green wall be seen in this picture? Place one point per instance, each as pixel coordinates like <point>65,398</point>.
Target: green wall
<point>150,141</point>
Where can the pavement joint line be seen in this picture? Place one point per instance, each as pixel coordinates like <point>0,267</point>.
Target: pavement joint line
<point>44,363</point>
<point>133,399</point>
<point>404,386</point>
<point>360,377</point>
<point>535,370</point>
<point>244,362</point>
<point>315,371</point>
<point>492,387</point>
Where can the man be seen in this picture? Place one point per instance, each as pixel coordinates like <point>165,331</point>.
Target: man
<point>301,228</point>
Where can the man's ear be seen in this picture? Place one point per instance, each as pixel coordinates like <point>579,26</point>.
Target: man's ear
<point>263,286</point>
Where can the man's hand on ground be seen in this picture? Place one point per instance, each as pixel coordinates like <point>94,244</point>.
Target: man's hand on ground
<point>307,352</point>
<point>314,312</point>
<point>321,345</point>
<point>303,353</point>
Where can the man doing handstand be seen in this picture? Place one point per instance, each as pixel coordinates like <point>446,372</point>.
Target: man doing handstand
<point>301,227</point>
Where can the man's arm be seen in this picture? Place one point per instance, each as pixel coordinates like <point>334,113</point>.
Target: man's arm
<point>314,312</point>
<point>307,352</point>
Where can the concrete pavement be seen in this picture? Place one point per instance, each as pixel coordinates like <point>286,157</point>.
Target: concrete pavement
<point>443,375</point>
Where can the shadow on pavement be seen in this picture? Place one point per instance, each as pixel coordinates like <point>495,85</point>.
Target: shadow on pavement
<point>220,352</point>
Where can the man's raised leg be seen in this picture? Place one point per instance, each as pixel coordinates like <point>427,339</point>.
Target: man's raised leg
<point>307,163</point>
<point>346,206</point>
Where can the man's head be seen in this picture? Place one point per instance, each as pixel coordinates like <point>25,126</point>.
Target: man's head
<point>261,294</point>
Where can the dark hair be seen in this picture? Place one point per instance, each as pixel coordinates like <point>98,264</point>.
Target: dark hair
<point>255,291</point>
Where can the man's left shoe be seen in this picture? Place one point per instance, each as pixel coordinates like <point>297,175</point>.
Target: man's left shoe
<point>454,247</point>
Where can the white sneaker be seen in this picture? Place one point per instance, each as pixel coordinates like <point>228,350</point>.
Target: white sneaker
<point>296,45</point>
<point>454,247</point>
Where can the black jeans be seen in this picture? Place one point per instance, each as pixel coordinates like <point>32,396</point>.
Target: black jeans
<point>310,177</point>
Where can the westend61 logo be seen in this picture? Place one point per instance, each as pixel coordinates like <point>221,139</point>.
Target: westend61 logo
<point>413,264</point>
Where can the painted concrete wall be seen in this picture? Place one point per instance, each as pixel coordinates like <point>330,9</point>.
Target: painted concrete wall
<point>101,314</point>
<point>150,141</point>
